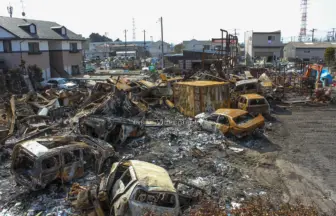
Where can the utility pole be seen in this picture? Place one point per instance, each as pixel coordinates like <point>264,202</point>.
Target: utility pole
<point>125,31</point>
<point>313,30</point>
<point>161,20</point>
<point>144,31</point>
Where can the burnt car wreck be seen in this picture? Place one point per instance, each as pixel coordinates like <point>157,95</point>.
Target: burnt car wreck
<point>38,162</point>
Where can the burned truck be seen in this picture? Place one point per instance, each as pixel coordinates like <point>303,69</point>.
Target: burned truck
<point>38,162</point>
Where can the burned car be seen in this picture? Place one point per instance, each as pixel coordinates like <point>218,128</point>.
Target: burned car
<point>231,121</point>
<point>114,130</point>
<point>132,188</point>
<point>37,162</point>
<point>254,104</point>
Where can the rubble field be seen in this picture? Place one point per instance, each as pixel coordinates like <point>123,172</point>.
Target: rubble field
<point>293,159</point>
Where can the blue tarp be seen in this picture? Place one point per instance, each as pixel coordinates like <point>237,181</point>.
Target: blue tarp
<point>325,75</point>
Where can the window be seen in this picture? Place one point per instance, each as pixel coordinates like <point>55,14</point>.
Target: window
<point>32,29</point>
<point>206,47</point>
<point>243,119</point>
<point>77,154</point>
<point>306,51</point>
<point>223,120</point>
<point>63,31</point>
<point>50,163</point>
<point>242,100</point>
<point>7,45</point>
<point>126,178</point>
<point>73,47</point>
<point>68,158</point>
<point>257,102</point>
<point>271,38</point>
<point>34,47</point>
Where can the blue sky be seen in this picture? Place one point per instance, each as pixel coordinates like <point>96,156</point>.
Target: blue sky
<point>183,20</point>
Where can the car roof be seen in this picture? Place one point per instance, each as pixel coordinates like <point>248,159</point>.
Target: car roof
<point>37,149</point>
<point>152,177</point>
<point>252,96</point>
<point>230,112</point>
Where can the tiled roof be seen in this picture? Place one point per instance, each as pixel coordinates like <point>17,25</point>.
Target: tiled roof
<point>43,28</point>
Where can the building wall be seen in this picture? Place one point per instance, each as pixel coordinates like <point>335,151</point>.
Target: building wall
<point>261,39</point>
<point>156,49</point>
<point>66,45</point>
<point>71,59</point>
<point>308,53</point>
<point>248,45</point>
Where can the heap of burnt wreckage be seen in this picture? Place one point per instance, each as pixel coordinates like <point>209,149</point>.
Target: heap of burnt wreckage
<point>54,135</point>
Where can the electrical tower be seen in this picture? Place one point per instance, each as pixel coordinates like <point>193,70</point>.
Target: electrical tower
<point>10,10</point>
<point>134,38</point>
<point>303,29</point>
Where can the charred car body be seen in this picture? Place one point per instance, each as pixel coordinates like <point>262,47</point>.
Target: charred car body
<point>135,188</point>
<point>37,162</point>
<point>231,121</point>
<point>110,129</point>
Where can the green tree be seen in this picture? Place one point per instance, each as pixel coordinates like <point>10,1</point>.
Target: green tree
<point>178,48</point>
<point>96,37</point>
<point>329,55</point>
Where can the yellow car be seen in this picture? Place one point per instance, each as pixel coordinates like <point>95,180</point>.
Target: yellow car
<point>231,121</point>
<point>254,104</point>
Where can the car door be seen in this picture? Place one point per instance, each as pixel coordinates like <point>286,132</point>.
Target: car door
<point>223,124</point>
<point>73,166</point>
<point>121,192</point>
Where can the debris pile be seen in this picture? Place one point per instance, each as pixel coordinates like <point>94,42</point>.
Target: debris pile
<point>158,142</point>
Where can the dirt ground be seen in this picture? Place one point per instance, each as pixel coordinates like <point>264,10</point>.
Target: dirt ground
<point>302,164</point>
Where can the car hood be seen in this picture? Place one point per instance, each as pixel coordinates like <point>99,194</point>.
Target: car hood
<point>202,115</point>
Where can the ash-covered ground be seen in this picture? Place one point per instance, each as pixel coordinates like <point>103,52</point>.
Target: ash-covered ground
<point>293,159</point>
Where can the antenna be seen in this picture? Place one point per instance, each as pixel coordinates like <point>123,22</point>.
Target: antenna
<point>303,29</point>
<point>134,38</point>
<point>10,10</point>
<point>23,13</point>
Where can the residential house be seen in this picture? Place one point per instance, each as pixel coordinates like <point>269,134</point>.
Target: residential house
<point>104,49</point>
<point>198,45</point>
<point>307,51</point>
<point>51,46</point>
<point>155,49</point>
<point>263,44</point>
